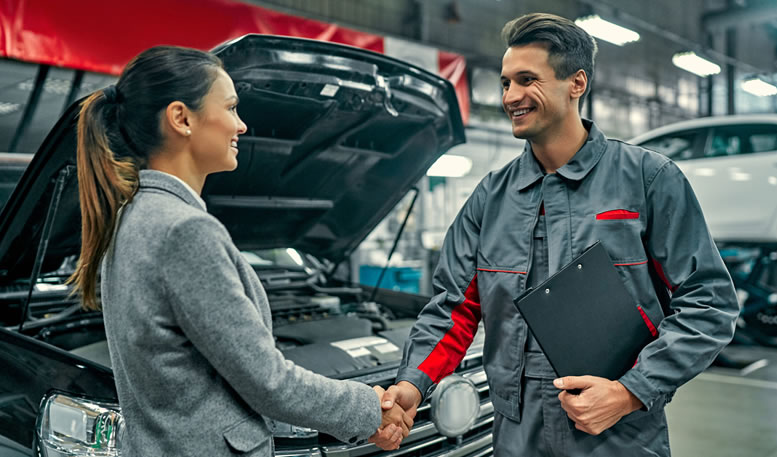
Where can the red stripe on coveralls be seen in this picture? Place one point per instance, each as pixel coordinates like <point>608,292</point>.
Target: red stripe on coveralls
<point>648,322</point>
<point>629,264</point>
<point>447,354</point>
<point>660,271</point>
<point>503,271</point>
<point>617,214</point>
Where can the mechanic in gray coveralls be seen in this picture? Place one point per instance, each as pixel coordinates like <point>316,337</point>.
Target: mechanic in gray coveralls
<point>571,187</point>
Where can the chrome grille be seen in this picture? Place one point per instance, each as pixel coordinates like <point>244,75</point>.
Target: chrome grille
<point>424,439</point>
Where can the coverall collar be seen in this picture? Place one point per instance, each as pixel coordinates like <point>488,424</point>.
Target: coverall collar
<point>584,160</point>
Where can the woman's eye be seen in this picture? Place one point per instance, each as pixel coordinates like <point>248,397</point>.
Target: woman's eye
<point>233,108</point>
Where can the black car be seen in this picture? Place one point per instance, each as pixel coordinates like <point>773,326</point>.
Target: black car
<point>336,137</point>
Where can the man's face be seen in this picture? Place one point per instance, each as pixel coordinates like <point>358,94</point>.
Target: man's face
<point>535,101</point>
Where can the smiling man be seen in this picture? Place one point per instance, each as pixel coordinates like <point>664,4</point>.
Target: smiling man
<point>571,187</point>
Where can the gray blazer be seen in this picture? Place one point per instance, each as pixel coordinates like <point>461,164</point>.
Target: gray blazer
<point>190,336</point>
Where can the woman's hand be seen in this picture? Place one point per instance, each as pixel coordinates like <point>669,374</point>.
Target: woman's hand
<point>394,427</point>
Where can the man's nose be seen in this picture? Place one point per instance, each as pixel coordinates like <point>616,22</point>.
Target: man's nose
<point>514,94</point>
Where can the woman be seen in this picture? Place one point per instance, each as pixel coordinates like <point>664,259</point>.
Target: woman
<point>187,321</point>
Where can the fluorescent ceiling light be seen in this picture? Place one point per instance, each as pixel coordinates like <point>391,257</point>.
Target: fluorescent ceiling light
<point>757,86</point>
<point>606,30</point>
<point>451,166</point>
<point>689,61</point>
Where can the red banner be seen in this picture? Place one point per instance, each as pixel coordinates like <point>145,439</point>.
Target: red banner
<point>453,67</point>
<point>102,36</point>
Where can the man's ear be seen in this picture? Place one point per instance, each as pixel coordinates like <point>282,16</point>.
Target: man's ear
<point>178,118</point>
<point>578,84</point>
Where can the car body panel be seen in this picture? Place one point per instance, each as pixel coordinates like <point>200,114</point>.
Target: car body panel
<point>31,369</point>
<point>733,184</point>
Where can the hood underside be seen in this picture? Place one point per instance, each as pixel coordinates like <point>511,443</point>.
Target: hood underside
<point>336,136</point>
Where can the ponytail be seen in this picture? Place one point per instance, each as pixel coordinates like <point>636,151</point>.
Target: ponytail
<point>104,185</point>
<point>118,130</point>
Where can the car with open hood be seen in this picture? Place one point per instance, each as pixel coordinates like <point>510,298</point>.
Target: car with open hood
<point>336,137</point>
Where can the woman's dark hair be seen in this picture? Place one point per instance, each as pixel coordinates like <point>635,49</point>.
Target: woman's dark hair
<point>570,48</point>
<point>118,129</point>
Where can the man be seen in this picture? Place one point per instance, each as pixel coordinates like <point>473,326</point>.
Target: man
<point>571,187</point>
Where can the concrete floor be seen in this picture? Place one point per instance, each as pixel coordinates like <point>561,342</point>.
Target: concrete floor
<point>726,412</point>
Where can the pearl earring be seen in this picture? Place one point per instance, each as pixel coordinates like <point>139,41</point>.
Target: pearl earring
<point>188,132</point>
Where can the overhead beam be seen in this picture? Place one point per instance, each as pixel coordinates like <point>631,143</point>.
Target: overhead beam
<point>732,17</point>
<point>667,34</point>
<point>75,86</point>
<point>30,107</point>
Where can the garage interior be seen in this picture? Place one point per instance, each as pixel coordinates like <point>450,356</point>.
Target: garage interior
<point>638,86</point>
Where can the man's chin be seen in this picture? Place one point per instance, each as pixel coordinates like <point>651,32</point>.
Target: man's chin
<point>520,133</point>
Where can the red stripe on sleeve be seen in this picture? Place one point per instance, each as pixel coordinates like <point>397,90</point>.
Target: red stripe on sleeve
<point>449,352</point>
<point>660,271</point>
<point>649,324</point>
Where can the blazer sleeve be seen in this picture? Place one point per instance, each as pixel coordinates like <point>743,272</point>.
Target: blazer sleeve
<point>447,325</point>
<point>703,306</point>
<point>209,302</point>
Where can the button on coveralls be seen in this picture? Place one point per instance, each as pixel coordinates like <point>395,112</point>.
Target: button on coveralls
<point>642,209</point>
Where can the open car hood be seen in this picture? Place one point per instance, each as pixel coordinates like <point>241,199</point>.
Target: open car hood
<point>336,136</point>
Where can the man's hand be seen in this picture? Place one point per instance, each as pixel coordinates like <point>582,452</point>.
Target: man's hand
<point>405,395</point>
<point>395,426</point>
<point>600,404</point>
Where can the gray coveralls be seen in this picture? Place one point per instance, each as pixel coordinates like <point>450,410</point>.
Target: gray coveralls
<point>642,209</point>
<point>552,433</point>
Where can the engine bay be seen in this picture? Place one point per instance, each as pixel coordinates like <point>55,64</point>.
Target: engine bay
<point>327,327</point>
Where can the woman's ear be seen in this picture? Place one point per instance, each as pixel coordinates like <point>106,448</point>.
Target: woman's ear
<point>178,118</point>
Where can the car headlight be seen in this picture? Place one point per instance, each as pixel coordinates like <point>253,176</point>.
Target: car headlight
<point>455,405</point>
<point>71,426</point>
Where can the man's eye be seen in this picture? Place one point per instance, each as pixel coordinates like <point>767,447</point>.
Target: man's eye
<point>505,84</point>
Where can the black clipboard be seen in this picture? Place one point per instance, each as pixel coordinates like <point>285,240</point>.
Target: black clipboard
<point>585,320</point>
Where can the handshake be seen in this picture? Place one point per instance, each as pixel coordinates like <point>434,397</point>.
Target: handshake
<point>399,404</point>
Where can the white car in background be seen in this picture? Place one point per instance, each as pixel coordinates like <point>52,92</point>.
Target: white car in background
<point>731,163</point>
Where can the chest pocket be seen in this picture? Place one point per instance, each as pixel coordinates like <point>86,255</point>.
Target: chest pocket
<point>621,235</point>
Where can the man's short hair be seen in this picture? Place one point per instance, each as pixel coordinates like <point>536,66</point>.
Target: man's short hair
<point>570,48</point>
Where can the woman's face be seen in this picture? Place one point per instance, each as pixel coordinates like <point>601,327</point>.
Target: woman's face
<point>216,128</point>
